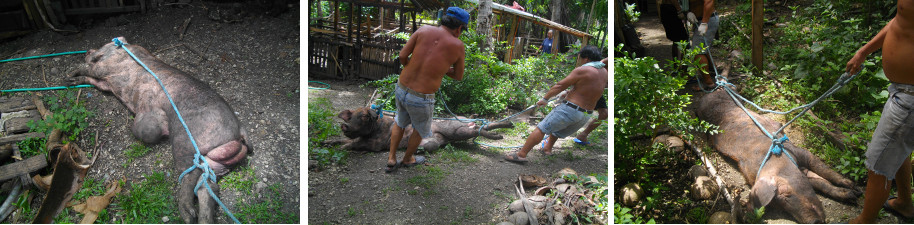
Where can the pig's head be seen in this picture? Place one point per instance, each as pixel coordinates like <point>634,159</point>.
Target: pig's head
<point>110,58</point>
<point>800,202</point>
<point>360,122</point>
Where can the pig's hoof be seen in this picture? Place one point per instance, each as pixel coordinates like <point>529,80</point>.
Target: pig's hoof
<point>73,81</point>
<point>186,197</point>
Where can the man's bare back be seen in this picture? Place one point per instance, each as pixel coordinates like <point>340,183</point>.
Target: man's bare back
<point>898,48</point>
<point>589,83</point>
<point>702,8</point>
<point>434,50</point>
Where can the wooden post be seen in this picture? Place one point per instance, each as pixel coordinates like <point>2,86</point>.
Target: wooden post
<point>349,29</point>
<point>757,20</point>
<point>358,26</point>
<point>402,17</point>
<point>414,19</point>
<point>513,33</point>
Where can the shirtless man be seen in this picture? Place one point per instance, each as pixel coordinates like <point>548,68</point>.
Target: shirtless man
<point>434,51</point>
<point>888,155</point>
<point>589,80</point>
<point>703,34</point>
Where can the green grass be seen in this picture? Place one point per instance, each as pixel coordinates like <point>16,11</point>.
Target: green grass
<point>32,147</point>
<point>430,177</point>
<point>242,180</point>
<point>267,211</point>
<point>520,129</point>
<point>136,150</point>
<point>91,187</point>
<point>63,217</point>
<point>149,201</point>
<point>450,154</point>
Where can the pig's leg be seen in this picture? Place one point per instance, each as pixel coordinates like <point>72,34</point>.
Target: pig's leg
<point>82,76</point>
<point>433,143</point>
<point>186,196</point>
<point>826,188</point>
<point>206,203</point>
<point>814,164</point>
<point>503,124</point>
<point>150,126</point>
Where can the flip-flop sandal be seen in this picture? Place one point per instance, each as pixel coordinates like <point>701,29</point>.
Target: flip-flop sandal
<point>513,157</point>
<point>420,160</point>
<point>584,143</point>
<point>545,141</point>
<point>888,208</point>
<point>392,168</point>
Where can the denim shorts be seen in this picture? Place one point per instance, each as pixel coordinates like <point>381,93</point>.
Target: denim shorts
<point>563,121</point>
<point>415,110</point>
<point>892,141</point>
<point>708,38</point>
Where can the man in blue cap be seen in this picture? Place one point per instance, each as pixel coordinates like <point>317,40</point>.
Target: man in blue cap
<point>430,53</point>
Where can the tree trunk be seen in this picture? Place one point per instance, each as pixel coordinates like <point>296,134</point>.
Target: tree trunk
<point>558,11</point>
<point>484,24</point>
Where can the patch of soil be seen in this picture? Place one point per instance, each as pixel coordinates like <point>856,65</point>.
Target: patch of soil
<point>251,62</point>
<point>359,192</point>
<point>653,38</point>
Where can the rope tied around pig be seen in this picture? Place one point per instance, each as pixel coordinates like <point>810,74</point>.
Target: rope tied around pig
<point>482,125</point>
<point>199,160</point>
<point>778,137</point>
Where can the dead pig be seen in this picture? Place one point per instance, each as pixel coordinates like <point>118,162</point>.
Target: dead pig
<point>208,116</point>
<point>368,132</point>
<point>780,182</point>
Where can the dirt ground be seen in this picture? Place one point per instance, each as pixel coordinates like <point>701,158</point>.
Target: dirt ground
<point>252,62</point>
<point>658,46</point>
<point>359,192</point>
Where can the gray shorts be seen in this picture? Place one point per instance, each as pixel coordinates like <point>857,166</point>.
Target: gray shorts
<point>563,121</point>
<point>892,141</point>
<point>415,109</point>
<point>708,38</point>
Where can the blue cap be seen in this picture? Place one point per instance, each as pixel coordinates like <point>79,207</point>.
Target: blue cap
<point>459,13</point>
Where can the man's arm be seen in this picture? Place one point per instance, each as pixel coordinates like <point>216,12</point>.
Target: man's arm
<point>561,85</point>
<point>708,10</point>
<point>457,71</point>
<point>408,48</point>
<point>853,66</point>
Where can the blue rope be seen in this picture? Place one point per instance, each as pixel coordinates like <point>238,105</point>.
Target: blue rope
<point>777,144</point>
<point>199,161</point>
<point>42,56</point>
<point>48,88</point>
<point>328,86</point>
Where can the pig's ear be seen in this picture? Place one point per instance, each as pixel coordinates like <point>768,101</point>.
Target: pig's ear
<point>764,189</point>
<point>373,115</point>
<point>345,115</point>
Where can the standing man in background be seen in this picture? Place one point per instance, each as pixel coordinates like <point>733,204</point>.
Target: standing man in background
<point>704,28</point>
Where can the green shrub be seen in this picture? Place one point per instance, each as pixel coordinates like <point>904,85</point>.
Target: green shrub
<point>68,115</point>
<point>320,121</point>
<point>489,86</point>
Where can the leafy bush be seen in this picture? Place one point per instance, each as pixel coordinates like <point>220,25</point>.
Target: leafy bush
<point>69,115</point>
<point>645,98</point>
<point>489,86</point>
<point>32,147</point>
<point>320,121</point>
